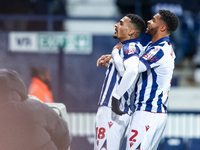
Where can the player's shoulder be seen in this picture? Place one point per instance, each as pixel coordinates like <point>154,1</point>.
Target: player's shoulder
<point>136,44</point>
<point>133,47</point>
<point>163,48</point>
<point>163,45</point>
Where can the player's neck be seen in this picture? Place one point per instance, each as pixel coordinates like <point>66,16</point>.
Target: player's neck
<point>158,37</point>
<point>127,38</point>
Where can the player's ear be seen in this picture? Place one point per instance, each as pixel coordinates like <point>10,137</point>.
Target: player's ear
<point>163,28</point>
<point>131,32</point>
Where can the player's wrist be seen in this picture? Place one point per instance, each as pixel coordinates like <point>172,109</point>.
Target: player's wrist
<point>115,107</point>
<point>115,53</point>
<point>116,96</point>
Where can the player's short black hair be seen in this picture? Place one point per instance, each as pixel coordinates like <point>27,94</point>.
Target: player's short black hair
<point>170,19</point>
<point>138,23</point>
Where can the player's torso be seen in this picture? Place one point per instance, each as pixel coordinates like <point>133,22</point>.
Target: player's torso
<point>110,83</point>
<point>112,79</point>
<point>153,85</point>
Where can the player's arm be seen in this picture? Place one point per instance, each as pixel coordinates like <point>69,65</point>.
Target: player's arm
<point>130,75</point>
<point>118,61</point>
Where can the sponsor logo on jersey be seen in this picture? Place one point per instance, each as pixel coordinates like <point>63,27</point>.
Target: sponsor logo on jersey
<point>110,124</point>
<point>154,58</point>
<point>131,144</point>
<point>147,127</point>
<point>149,56</point>
<point>155,50</point>
<point>153,55</point>
<point>131,49</point>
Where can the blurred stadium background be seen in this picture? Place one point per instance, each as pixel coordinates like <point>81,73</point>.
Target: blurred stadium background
<point>68,36</point>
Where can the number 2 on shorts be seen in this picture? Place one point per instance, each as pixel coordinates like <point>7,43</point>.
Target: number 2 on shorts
<point>135,133</point>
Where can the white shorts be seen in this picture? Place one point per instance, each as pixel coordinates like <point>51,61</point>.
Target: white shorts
<point>145,131</point>
<point>110,129</point>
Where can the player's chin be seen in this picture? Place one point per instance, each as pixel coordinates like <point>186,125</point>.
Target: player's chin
<point>115,36</point>
<point>148,33</point>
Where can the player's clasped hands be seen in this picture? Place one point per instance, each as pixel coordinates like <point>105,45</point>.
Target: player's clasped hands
<point>104,60</point>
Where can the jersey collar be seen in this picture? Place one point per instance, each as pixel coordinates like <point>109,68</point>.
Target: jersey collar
<point>161,40</point>
<point>131,40</point>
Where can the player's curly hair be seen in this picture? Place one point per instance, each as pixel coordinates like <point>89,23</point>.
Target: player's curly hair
<point>138,23</point>
<point>170,19</point>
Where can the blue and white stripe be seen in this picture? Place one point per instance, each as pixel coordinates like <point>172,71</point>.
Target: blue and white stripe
<point>153,85</point>
<point>112,78</point>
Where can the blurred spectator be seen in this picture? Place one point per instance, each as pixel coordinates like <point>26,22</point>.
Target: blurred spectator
<point>27,124</point>
<point>41,84</point>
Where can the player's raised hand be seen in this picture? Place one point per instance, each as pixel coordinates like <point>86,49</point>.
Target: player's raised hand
<point>104,60</point>
<point>115,107</point>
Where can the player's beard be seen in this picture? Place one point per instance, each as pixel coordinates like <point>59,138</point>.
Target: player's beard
<point>152,31</point>
<point>115,36</point>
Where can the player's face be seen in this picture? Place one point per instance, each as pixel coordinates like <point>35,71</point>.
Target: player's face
<point>153,25</point>
<point>122,28</point>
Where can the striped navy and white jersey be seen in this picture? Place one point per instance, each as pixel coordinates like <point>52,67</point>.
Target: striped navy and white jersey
<point>154,83</point>
<point>113,78</point>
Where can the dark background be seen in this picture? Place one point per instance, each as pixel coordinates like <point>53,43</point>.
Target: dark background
<point>77,81</point>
